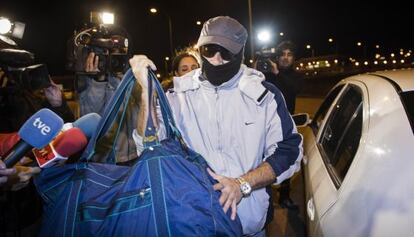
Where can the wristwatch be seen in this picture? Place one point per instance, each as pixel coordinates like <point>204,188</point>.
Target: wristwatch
<point>245,187</point>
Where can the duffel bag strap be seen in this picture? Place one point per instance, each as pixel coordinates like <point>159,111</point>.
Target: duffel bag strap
<point>150,133</point>
<point>169,122</point>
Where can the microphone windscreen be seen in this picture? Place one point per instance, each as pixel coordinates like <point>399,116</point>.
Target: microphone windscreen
<point>41,128</point>
<point>88,124</point>
<point>70,142</point>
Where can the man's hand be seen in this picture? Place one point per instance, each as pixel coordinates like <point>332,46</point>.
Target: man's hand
<point>92,63</point>
<point>139,64</point>
<point>230,192</point>
<point>18,176</point>
<point>274,69</point>
<point>5,173</point>
<point>53,95</point>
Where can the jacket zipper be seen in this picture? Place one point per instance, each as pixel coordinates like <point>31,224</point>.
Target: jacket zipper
<point>219,147</point>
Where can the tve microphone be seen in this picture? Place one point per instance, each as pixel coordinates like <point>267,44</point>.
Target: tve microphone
<point>66,144</point>
<point>87,123</point>
<point>37,132</point>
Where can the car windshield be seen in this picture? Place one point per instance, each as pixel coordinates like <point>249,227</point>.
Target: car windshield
<point>407,98</point>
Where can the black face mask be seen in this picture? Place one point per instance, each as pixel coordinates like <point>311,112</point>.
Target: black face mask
<point>220,74</point>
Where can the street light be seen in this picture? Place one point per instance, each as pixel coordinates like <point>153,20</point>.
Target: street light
<point>334,45</point>
<point>364,49</point>
<point>154,10</point>
<point>166,61</point>
<point>249,7</point>
<point>308,46</point>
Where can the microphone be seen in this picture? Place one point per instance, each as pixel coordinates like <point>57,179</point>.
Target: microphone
<point>65,144</point>
<point>87,123</point>
<point>37,132</point>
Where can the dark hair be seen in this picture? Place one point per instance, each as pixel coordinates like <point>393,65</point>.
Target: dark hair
<point>285,45</point>
<point>179,56</point>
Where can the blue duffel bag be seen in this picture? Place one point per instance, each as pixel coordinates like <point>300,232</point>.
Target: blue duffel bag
<point>166,191</point>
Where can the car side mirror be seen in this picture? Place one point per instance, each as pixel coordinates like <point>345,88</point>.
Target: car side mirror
<point>301,119</point>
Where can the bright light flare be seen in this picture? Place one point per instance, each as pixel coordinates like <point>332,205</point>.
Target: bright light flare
<point>108,18</point>
<point>5,25</point>
<point>264,36</point>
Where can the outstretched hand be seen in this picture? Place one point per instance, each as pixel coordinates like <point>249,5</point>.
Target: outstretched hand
<point>230,192</point>
<point>53,94</point>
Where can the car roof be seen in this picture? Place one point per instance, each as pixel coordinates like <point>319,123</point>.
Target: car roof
<point>404,78</point>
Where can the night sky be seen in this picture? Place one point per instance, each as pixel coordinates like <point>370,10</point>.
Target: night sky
<point>49,24</point>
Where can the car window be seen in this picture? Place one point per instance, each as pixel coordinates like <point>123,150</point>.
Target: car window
<point>342,132</point>
<point>407,98</point>
<point>323,109</point>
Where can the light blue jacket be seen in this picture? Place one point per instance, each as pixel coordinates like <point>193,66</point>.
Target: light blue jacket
<point>235,127</point>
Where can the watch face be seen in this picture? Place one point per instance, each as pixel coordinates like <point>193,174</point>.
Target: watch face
<point>245,189</point>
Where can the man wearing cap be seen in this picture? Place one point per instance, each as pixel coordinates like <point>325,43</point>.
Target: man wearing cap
<point>238,122</point>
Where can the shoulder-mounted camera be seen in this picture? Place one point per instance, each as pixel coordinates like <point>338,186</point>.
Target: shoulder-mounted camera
<point>263,58</point>
<point>20,71</point>
<point>108,42</point>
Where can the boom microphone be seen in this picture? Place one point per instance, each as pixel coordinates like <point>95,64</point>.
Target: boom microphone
<point>66,144</point>
<point>37,132</point>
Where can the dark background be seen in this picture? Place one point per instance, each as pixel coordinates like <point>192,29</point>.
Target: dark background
<point>49,24</point>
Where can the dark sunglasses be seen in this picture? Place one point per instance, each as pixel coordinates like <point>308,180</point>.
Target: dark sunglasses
<point>210,50</point>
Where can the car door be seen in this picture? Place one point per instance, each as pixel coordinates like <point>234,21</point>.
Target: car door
<point>337,137</point>
<point>312,159</point>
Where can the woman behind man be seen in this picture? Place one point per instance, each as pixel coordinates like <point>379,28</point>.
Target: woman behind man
<point>184,61</point>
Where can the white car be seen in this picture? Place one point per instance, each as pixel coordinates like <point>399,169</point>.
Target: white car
<point>359,158</point>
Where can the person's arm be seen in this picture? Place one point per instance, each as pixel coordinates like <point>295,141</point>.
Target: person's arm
<point>231,194</point>
<point>282,156</point>
<point>283,148</point>
<point>139,65</point>
<point>57,103</point>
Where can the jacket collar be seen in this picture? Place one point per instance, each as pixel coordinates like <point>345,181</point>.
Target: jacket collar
<point>248,80</point>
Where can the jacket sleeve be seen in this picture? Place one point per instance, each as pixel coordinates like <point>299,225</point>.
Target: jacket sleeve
<point>283,146</point>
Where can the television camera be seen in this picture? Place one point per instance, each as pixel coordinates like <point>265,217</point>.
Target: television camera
<point>263,58</point>
<point>108,42</point>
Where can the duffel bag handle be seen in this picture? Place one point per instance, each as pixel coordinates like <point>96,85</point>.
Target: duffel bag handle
<point>123,90</point>
<point>150,138</point>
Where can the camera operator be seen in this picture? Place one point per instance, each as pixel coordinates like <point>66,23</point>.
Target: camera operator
<point>100,56</point>
<point>279,71</point>
<point>98,89</point>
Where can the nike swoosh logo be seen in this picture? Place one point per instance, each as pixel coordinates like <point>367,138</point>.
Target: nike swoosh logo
<point>248,123</point>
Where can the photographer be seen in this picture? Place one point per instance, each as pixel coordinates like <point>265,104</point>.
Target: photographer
<point>279,71</point>
<point>18,103</point>
<point>25,89</point>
